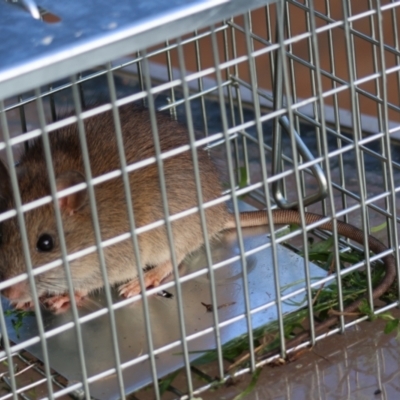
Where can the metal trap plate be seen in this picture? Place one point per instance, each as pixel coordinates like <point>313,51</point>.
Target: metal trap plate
<point>132,342</point>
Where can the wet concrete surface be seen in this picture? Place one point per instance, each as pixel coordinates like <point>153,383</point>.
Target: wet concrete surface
<point>362,363</point>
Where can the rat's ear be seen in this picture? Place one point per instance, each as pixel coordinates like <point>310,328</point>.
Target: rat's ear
<point>5,186</point>
<point>74,201</point>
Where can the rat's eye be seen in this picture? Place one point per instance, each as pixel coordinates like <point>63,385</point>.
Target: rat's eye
<point>45,242</point>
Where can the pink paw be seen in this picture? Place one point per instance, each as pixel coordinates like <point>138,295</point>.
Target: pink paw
<point>26,306</point>
<point>152,278</point>
<point>132,288</point>
<point>61,303</point>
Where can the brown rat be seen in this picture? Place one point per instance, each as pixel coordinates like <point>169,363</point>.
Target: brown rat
<point>112,213</point>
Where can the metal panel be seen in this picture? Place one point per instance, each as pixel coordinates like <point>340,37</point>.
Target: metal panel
<point>96,333</point>
<point>95,32</point>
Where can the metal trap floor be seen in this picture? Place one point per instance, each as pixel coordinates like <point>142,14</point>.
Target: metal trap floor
<point>132,341</point>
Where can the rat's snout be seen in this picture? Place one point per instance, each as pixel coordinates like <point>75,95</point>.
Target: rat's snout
<point>16,292</point>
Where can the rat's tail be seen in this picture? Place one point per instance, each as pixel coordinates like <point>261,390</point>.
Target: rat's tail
<point>283,217</point>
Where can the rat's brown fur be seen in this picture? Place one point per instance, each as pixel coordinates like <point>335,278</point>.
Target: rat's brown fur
<point>111,203</point>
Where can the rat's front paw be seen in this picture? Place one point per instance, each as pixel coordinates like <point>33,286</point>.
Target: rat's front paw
<point>25,306</point>
<point>130,289</point>
<point>61,303</point>
<point>152,278</point>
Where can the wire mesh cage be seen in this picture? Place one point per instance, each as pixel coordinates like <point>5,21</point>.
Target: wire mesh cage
<point>128,131</point>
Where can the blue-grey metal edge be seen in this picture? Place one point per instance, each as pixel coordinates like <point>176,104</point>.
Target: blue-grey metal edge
<point>35,53</point>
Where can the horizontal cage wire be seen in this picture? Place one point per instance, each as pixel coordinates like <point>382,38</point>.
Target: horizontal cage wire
<point>134,161</point>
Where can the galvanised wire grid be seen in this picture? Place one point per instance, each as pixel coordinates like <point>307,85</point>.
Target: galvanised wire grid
<point>297,102</point>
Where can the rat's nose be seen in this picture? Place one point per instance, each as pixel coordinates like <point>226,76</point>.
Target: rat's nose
<point>16,292</point>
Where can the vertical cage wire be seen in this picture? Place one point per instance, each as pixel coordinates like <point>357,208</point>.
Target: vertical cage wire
<point>127,189</point>
<point>64,252</point>
<point>233,194</point>
<point>163,189</point>
<point>323,147</point>
<point>281,77</point>
<point>25,245</point>
<point>391,202</point>
<point>201,207</point>
<point>95,219</point>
